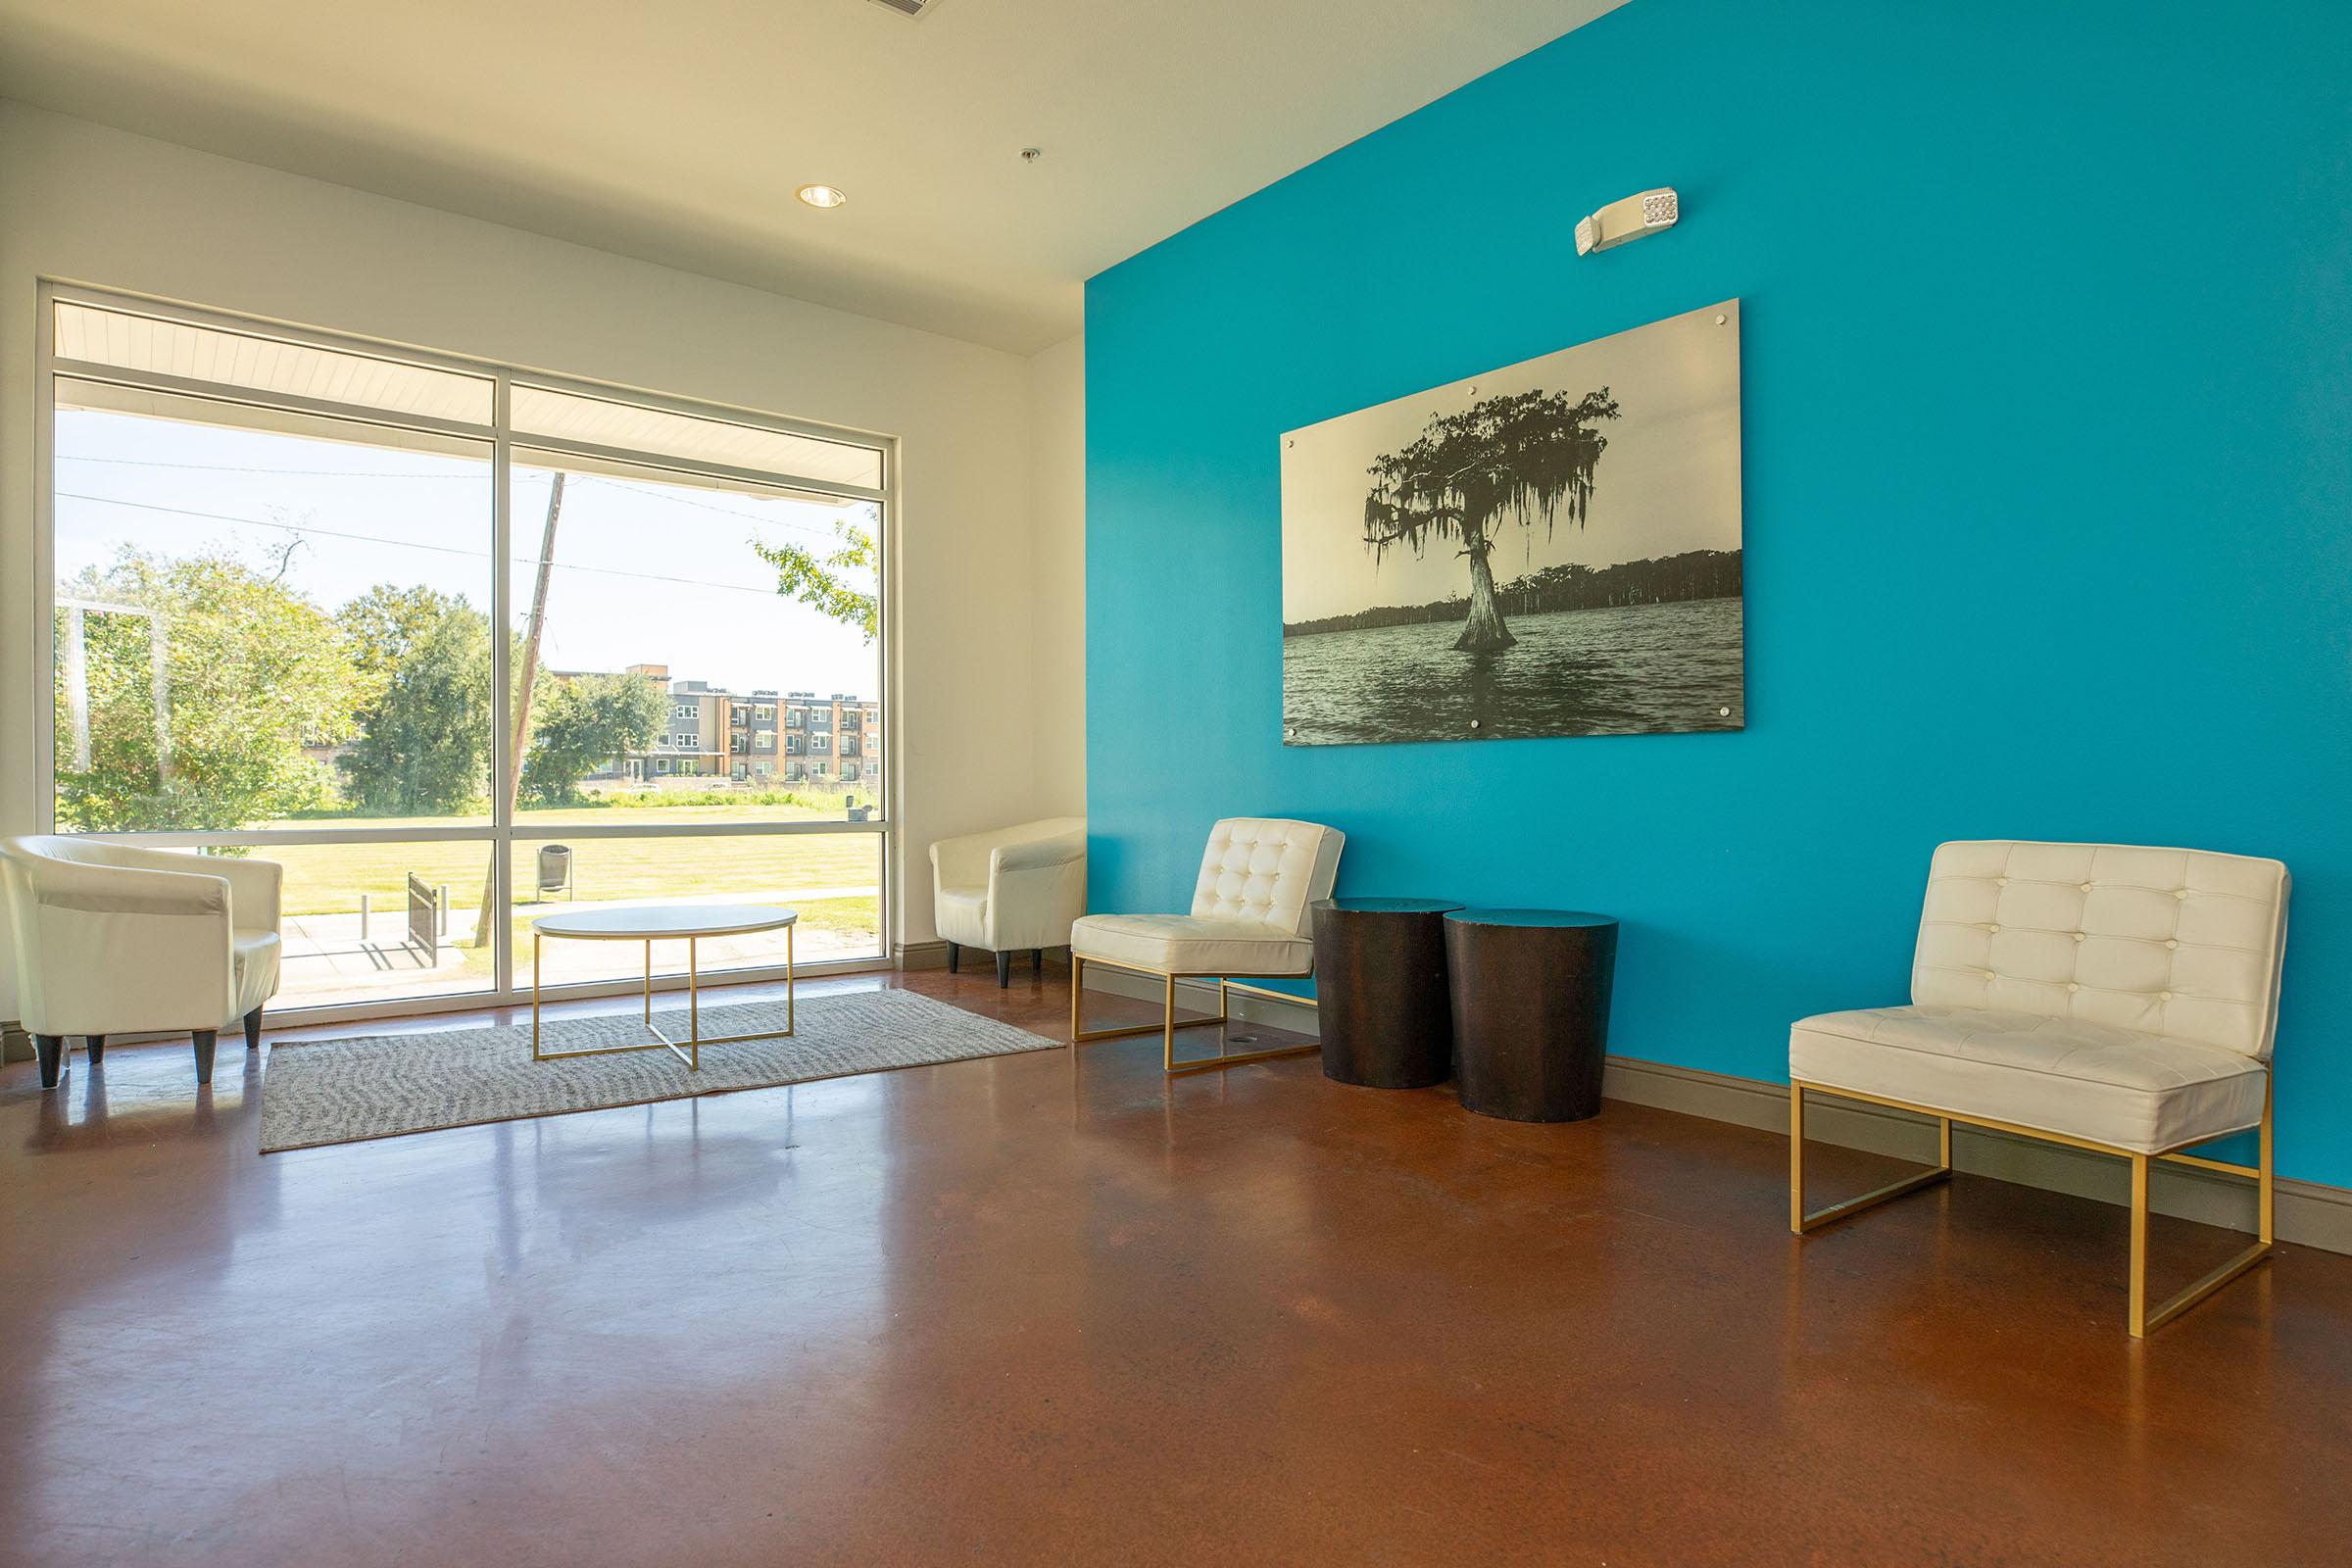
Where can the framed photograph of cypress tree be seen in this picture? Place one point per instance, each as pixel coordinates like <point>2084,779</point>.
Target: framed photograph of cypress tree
<point>1547,549</point>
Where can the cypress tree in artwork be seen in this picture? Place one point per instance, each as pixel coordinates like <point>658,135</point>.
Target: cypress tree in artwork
<point>1516,458</point>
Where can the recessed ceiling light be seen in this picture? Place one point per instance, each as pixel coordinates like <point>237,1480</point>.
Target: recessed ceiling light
<point>820,195</point>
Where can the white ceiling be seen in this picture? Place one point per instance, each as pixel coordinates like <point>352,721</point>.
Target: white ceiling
<point>677,131</point>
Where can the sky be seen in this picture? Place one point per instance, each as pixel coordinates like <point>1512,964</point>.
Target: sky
<point>1668,481</point>
<point>646,573</point>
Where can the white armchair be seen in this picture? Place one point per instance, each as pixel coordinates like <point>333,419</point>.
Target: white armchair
<point>1017,887</point>
<point>115,939</point>
<point>2108,998</point>
<point>1253,914</point>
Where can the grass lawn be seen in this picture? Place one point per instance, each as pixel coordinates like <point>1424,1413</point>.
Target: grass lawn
<point>330,878</point>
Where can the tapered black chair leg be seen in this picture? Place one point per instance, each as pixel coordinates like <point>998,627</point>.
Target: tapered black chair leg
<point>205,1039</point>
<point>253,1030</point>
<point>52,1051</point>
<point>95,1045</point>
<point>1003,969</point>
<point>953,954</point>
<point>1037,960</point>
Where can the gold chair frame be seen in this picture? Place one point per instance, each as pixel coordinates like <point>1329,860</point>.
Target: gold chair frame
<point>2141,1318</point>
<point>1168,1025</point>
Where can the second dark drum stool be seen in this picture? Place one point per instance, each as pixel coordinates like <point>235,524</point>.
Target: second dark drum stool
<point>1531,1010</point>
<point>1380,991</point>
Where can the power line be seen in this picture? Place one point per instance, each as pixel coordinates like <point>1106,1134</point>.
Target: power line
<point>339,474</point>
<point>408,544</point>
<point>650,493</point>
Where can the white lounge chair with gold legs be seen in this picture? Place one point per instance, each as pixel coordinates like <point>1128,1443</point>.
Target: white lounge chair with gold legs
<point>1251,918</point>
<point>2100,996</point>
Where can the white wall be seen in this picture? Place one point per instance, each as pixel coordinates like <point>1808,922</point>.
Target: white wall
<point>91,205</point>
<point>1058,672</point>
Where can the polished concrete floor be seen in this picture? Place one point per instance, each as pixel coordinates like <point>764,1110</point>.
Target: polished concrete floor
<point>1047,1309</point>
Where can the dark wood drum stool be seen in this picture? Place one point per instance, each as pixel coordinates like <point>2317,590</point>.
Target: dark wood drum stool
<point>1531,1009</point>
<point>1380,991</point>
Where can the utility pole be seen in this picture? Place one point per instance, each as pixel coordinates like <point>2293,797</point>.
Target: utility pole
<point>529,677</point>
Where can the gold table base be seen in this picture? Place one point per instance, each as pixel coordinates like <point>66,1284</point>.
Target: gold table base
<point>688,1051</point>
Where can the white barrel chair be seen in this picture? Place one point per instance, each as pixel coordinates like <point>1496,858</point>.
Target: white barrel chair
<point>1252,916</point>
<point>2101,996</point>
<point>115,939</point>
<point>1017,887</point>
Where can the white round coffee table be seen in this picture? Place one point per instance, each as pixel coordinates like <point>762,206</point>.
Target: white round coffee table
<point>663,922</point>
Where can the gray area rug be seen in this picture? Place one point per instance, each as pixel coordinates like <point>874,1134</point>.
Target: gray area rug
<point>379,1086</point>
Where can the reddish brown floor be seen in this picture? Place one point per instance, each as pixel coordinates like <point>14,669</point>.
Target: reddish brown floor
<point>1043,1309</point>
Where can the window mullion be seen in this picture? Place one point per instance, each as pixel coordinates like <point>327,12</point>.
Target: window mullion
<point>502,719</point>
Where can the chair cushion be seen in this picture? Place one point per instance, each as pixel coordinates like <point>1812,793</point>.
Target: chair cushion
<point>960,915</point>
<point>2181,944</point>
<point>2108,1085</point>
<point>1192,944</point>
<point>255,955</point>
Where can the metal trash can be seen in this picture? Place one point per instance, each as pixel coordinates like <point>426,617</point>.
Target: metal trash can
<point>555,869</point>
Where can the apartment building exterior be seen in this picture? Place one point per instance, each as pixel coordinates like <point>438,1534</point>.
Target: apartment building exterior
<point>694,741</point>
<point>835,737</point>
<point>755,737</point>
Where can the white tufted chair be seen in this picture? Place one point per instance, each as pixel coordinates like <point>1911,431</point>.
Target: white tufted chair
<point>1250,916</point>
<point>2110,998</point>
<point>110,939</point>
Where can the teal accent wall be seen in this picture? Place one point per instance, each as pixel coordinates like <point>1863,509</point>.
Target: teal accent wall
<point>2047,392</point>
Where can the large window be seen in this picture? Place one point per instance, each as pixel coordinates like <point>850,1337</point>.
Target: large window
<point>446,640</point>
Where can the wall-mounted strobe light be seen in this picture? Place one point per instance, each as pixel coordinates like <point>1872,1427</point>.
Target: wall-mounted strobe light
<point>1628,220</point>
<point>820,195</point>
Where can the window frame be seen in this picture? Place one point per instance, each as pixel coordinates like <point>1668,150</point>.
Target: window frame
<point>508,837</point>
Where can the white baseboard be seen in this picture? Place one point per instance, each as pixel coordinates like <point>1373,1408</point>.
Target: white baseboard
<point>2308,1213</point>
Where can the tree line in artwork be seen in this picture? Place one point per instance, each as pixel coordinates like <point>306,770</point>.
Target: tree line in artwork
<point>1668,579</point>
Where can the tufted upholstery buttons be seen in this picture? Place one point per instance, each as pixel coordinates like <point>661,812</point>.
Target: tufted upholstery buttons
<point>2007,925</point>
<point>2084,1040</point>
<point>1251,906</point>
<point>1265,871</point>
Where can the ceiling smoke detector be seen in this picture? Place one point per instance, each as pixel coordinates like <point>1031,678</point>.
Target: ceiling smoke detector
<point>910,8</point>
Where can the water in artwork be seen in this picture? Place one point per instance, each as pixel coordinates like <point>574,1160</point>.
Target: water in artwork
<point>1626,669</point>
